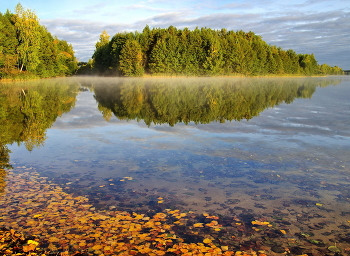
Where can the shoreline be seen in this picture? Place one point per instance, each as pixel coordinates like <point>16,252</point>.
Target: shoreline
<point>10,80</point>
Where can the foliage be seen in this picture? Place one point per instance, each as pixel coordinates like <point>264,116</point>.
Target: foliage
<point>64,224</point>
<point>28,50</point>
<point>204,52</point>
<point>130,63</point>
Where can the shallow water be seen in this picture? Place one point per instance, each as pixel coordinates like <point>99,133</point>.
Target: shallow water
<point>275,148</point>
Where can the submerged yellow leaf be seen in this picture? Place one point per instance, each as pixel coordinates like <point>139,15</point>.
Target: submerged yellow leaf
<point>96,247</point>
<point>207,241</point>
<point>224,248</point>
<point>32,242</point>
<point>53,239</point>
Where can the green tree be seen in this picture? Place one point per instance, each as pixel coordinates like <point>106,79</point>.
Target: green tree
<point>213,62</point>
<point>166,53</point>
<point>27,26</point>
<point>8,45</point>
<point>308,64</point>
<point>25,45</point>
<point>130,63</point>
<point>115,46</point>
<point>66,61</point>
<point>101,56</point>
<point>47,55</point>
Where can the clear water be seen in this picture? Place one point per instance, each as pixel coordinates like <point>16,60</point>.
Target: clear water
<point>268,146</point>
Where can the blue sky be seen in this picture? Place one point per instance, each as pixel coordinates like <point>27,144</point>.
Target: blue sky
<point>321,27</point>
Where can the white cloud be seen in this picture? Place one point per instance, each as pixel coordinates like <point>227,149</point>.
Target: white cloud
<point>300,26</point>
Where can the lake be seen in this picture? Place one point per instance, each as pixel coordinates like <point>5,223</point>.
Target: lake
<point>271,150</point>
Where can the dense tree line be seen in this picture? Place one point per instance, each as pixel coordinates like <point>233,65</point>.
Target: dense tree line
<point>198,52</point>
<point>27,49</point>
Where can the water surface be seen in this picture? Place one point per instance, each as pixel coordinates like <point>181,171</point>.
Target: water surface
<point>276,148</point>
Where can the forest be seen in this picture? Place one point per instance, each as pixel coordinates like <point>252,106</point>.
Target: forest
<point>198,52</point>
<point>28,50</point>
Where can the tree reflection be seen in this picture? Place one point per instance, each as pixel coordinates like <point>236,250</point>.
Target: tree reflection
<point>27,110</point>
<point>201,101</point>
<point>4,164</point>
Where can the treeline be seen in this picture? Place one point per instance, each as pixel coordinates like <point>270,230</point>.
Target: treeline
<point>198,52</point>
<point>28,50</point>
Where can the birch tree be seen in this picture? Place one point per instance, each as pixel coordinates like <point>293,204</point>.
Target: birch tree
<point>28,33</point>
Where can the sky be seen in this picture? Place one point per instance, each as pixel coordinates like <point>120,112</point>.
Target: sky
<point>321,27</point>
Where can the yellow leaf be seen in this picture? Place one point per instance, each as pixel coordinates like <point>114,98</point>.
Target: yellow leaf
<point>53,239</point>
<point>139,216</point>
<point>224,248</point>
<point>52,247</point>
<point>107,248</point>
<point>32,242</point>
<point>207,241</point>
<point>283,232</point>
<point>30,247</point>
<point>96,247</point>
<point>198,225</point>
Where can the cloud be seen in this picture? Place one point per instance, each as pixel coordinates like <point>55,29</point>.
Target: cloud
<point>82,34</point>
<point>145,8</point>
<point>318,33</point>
<point>88,10</point>
<point>324,33</point>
